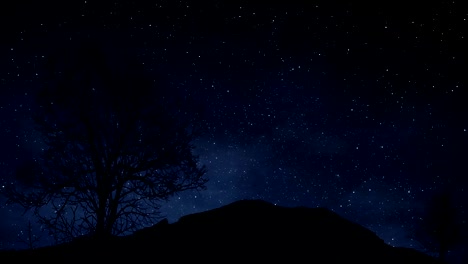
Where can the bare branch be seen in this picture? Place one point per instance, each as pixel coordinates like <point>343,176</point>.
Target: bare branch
<point>113,153</point>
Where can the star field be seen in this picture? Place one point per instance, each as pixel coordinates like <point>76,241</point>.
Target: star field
<point>360,108</point>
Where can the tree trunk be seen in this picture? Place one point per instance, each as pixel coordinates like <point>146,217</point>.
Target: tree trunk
<point>442,253</point>
<point>101,216</point>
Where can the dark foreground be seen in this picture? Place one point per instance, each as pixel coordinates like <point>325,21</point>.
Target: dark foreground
<point>244,231</point>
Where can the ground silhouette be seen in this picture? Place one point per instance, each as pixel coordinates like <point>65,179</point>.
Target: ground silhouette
<point>246,230</point>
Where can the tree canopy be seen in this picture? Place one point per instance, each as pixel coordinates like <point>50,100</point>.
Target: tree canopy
<point>114,148</point>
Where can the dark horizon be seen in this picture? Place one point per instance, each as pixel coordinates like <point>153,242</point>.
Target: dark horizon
<point>245,229</point>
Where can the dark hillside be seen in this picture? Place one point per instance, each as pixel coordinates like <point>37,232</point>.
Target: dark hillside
<point>244,230</point>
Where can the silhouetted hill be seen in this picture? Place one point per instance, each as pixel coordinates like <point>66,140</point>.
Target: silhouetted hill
<point>248,230</point>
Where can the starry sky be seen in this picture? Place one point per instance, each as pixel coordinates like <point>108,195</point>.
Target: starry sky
<point>360,108</point>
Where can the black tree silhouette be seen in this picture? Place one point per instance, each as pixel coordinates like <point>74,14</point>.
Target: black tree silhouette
<point>114,149</point>
<point>28,237</point>
<point>439,229</point>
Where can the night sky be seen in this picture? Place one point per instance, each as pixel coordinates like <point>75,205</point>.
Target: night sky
<point>360,108</point>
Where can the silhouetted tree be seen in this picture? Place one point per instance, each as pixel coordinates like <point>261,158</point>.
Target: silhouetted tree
<point>439,229</point>
<point>29,237</point>
<point>114,149</point>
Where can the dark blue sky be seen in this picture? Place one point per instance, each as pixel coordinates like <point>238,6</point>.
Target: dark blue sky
<point>359,108</point>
